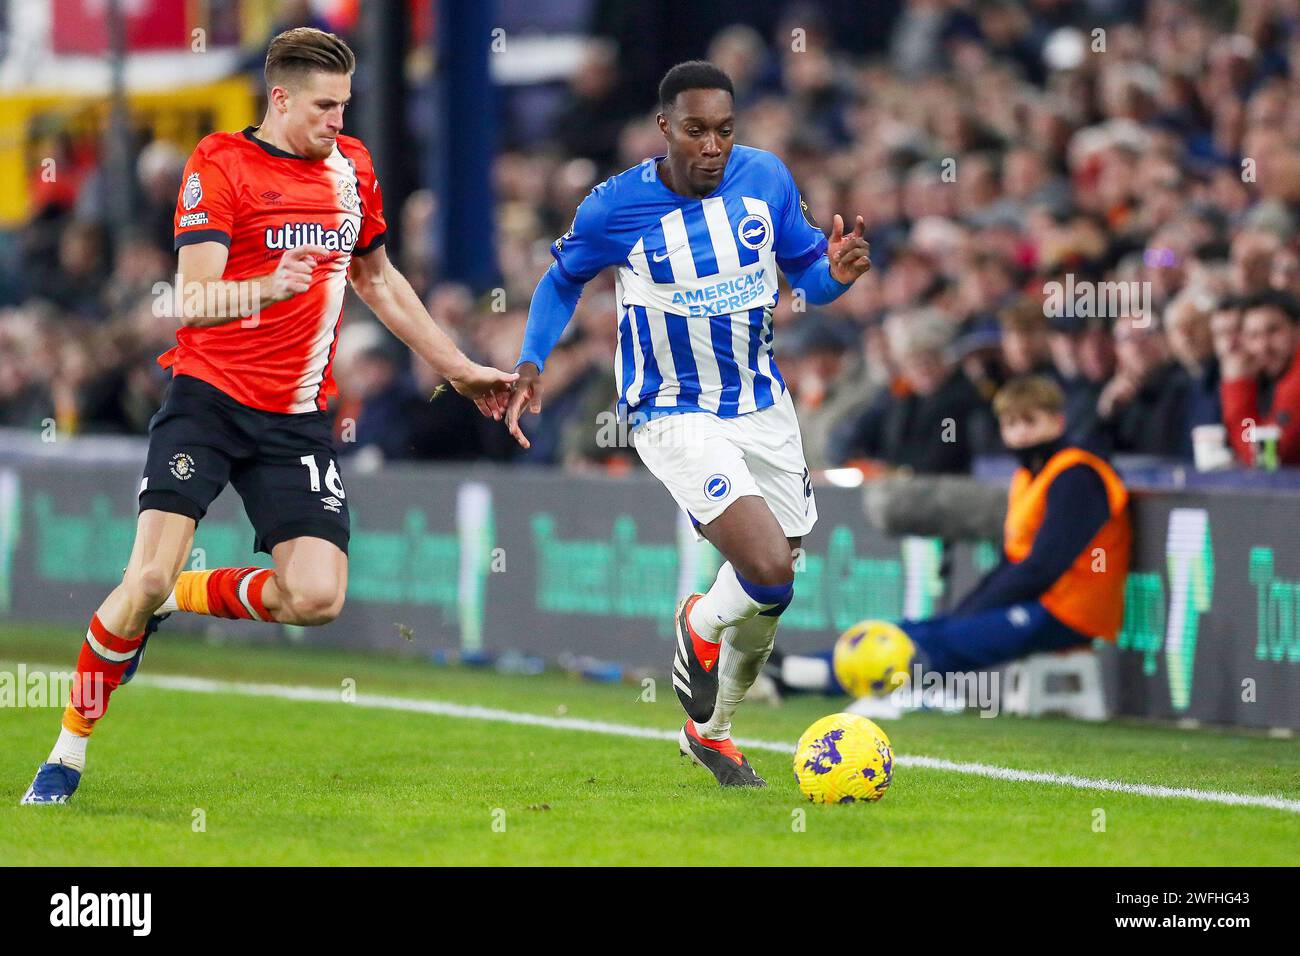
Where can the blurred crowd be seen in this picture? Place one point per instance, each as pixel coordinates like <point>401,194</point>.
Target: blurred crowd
<point>999,152</point>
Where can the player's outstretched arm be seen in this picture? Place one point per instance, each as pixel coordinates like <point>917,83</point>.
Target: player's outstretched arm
<point>554,301</point>
<point>385,290</point>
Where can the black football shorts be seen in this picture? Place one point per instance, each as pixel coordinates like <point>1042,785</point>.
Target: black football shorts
<point>282,465</point>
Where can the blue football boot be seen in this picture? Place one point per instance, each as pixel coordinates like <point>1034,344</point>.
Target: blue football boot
<point>54,783</point>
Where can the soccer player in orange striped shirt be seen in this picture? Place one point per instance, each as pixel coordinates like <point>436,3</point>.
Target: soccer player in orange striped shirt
<point>271,223</point>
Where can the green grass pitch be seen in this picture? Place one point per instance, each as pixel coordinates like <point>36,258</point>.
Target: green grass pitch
<point>277,781</point>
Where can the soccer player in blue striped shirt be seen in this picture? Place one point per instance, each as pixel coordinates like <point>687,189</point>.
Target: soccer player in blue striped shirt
<point>697,236</point>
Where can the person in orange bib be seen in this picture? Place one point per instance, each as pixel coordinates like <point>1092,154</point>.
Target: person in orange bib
<point>1065,554</point>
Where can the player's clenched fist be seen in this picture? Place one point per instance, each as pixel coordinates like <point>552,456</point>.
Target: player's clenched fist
<point>292,276</point>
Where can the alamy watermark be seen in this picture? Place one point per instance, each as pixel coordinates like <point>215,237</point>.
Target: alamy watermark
<point>133,911</point>
<point>937,690</point>
<point>37,688</point>
<point>216,299</point>
<point>1084,299</point>
<point>660,431</point>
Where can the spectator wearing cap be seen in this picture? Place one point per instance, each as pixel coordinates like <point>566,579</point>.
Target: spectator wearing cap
<point>978,351</point>
<point>932,420</point>
<point>1261,377</point>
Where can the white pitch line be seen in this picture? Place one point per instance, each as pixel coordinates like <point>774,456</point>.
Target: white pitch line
<point>468,712</point>
<point>1096,783</point>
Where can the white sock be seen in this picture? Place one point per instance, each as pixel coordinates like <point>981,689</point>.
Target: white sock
<point>806,673</point>
<point>724,604</point>
<point>744,652</point>
<point>169,605</point>
<point>69,750</point>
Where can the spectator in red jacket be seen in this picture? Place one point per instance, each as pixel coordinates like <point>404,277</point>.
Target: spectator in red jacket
<point>1261,376</point>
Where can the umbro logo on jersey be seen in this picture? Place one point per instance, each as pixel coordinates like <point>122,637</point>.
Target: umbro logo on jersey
<point>332,504</point>
<point>294,234</point>
<point>272,197</point>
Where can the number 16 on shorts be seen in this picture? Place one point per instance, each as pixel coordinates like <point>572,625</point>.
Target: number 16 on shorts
<point>333,483</point>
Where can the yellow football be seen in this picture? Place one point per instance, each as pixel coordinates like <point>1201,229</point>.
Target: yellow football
<point>872,658</point>
<point>843,758</point>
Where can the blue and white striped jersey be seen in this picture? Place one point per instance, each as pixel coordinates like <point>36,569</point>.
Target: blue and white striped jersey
<point>696,281</point>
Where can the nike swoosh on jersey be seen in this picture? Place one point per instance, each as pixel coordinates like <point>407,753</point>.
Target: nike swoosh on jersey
<point>661,258</point>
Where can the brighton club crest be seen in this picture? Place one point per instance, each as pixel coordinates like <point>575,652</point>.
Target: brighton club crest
<point>753,231</point>
<point>193,192</point>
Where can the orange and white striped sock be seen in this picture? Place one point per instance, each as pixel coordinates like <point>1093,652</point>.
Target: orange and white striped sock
<point>234,593</point>
<point>103,658</point>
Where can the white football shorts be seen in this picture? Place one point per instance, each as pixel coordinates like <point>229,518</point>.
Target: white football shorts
<point>707,462</point>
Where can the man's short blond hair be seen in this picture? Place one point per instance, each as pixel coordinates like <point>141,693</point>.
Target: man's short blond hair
<point>1027,395</point>
<point>295,53</point>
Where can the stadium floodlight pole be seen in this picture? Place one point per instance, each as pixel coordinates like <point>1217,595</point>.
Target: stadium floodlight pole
<point>466,142</point>
<point>119,170</point>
